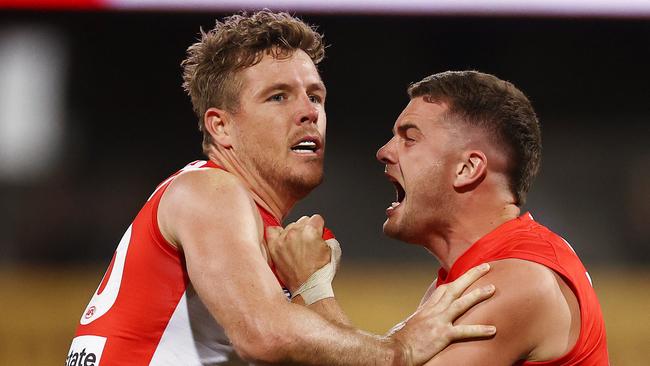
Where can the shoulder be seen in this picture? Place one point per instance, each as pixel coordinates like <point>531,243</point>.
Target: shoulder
<point>203,199</point>
<point>522,287</point>
<point>531,309</point>
<point>206,190</point>
<point>206,183</point>
<point>528,278</point>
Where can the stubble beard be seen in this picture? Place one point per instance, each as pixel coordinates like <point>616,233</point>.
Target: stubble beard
<point>280,176</point>
<point>418,222</point>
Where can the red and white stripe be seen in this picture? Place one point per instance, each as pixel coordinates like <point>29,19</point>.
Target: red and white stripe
<point>597,8</point>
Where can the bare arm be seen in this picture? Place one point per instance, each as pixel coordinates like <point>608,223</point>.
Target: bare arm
<point>535,315</point>
<point>215,222</point>
<point>329,309</point>
<point>298,250</point>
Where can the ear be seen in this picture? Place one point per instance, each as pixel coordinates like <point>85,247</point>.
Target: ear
<point>217,123</point>
<point>471,170</point>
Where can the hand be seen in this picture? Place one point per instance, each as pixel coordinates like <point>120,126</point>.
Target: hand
<point>430,329</point>
<point>298,250</point>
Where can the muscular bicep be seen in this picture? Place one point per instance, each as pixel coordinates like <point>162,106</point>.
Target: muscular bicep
<point>218,230</point>
<point>214,222</point>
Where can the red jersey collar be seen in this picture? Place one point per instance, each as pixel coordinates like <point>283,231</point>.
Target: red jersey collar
<point>445,277</point>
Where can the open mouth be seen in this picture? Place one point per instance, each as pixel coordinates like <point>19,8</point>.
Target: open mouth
<point>308,145</point>
<point>400,193</point>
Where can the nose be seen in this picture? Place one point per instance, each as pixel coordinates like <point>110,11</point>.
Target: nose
<point>308,111</point>
<point>386,153</point>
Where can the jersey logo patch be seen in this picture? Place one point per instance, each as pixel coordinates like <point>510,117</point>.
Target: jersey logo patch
<point>85,351</point>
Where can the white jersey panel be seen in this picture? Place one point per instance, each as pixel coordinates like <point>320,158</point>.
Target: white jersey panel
<point>194,338</point>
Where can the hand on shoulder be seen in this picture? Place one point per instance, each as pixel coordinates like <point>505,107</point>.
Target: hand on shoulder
<point>530,310</point>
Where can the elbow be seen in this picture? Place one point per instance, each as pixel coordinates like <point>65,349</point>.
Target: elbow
<point>262,344</point>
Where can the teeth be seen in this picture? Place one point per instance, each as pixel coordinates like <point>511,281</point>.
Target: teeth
<point>305,147</point>
<point>394,204</point>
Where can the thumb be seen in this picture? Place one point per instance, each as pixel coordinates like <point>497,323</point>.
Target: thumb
<point>273,233</point>
<point>317,222</point>
<point>335,247</point>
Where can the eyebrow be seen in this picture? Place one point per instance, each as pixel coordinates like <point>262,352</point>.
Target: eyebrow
<point>275,86</point>
<point>317,86</point>
<point>405,127</point>
<point>320,86</point>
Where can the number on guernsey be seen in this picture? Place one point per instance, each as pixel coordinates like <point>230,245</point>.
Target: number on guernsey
<point>108,289</point>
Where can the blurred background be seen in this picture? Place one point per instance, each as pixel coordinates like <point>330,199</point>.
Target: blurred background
<point>93,117</point>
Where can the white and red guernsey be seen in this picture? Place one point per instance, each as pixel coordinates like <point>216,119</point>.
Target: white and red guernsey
<point>145,311</point>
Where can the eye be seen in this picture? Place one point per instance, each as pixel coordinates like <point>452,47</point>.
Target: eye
<point>408,141</point>
<point>409,137</point>
<point>277,97</point>
<point>316,99</point>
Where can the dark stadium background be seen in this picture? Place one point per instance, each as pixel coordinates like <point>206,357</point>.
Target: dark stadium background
<point>128,125</point>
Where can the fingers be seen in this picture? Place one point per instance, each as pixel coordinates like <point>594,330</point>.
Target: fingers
<point>302,220</point>
<point>298,223</point>
<point>437,294</point>
<point>305,229</point>
<point>442,321</point>
<point>437,315</point>
<point>335,246</point>
<point>317,222</point>
<point>272,233</point>
<point>462,283</point>
<point>464,303</point>
<point>306,226</point>
<point>459,332</point>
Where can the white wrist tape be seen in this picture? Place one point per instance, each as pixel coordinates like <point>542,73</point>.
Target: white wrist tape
<point>319,285</point>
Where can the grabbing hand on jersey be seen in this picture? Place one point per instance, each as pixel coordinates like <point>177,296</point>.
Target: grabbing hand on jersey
<point>298,251</point>
<point>304,261</point>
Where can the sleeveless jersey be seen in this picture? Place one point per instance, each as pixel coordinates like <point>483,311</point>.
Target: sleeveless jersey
<point>145,311</point>
<point>523,238</point>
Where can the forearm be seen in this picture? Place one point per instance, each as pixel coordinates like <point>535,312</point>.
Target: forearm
<point>307,338</point>
<point>347,346</point>
<point>329,309</point>
<point>350,347</point>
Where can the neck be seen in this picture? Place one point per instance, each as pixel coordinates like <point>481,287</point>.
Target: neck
<point>465,228</point>
<point>270,197</point>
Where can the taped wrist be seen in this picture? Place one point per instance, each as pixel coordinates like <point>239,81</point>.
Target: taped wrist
<point>319,285</point>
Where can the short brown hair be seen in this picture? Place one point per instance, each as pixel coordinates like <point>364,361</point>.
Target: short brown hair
<point>497,106</point>
<point>240,41</point>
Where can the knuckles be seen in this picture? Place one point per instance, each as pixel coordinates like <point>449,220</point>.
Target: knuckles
<point>447,332</point>
<point>292,234</point>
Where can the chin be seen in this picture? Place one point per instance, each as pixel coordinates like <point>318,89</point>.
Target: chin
<point>312,177</point>
<point>401,232</point>
<point>302,185</point>
<point>391,230</point>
